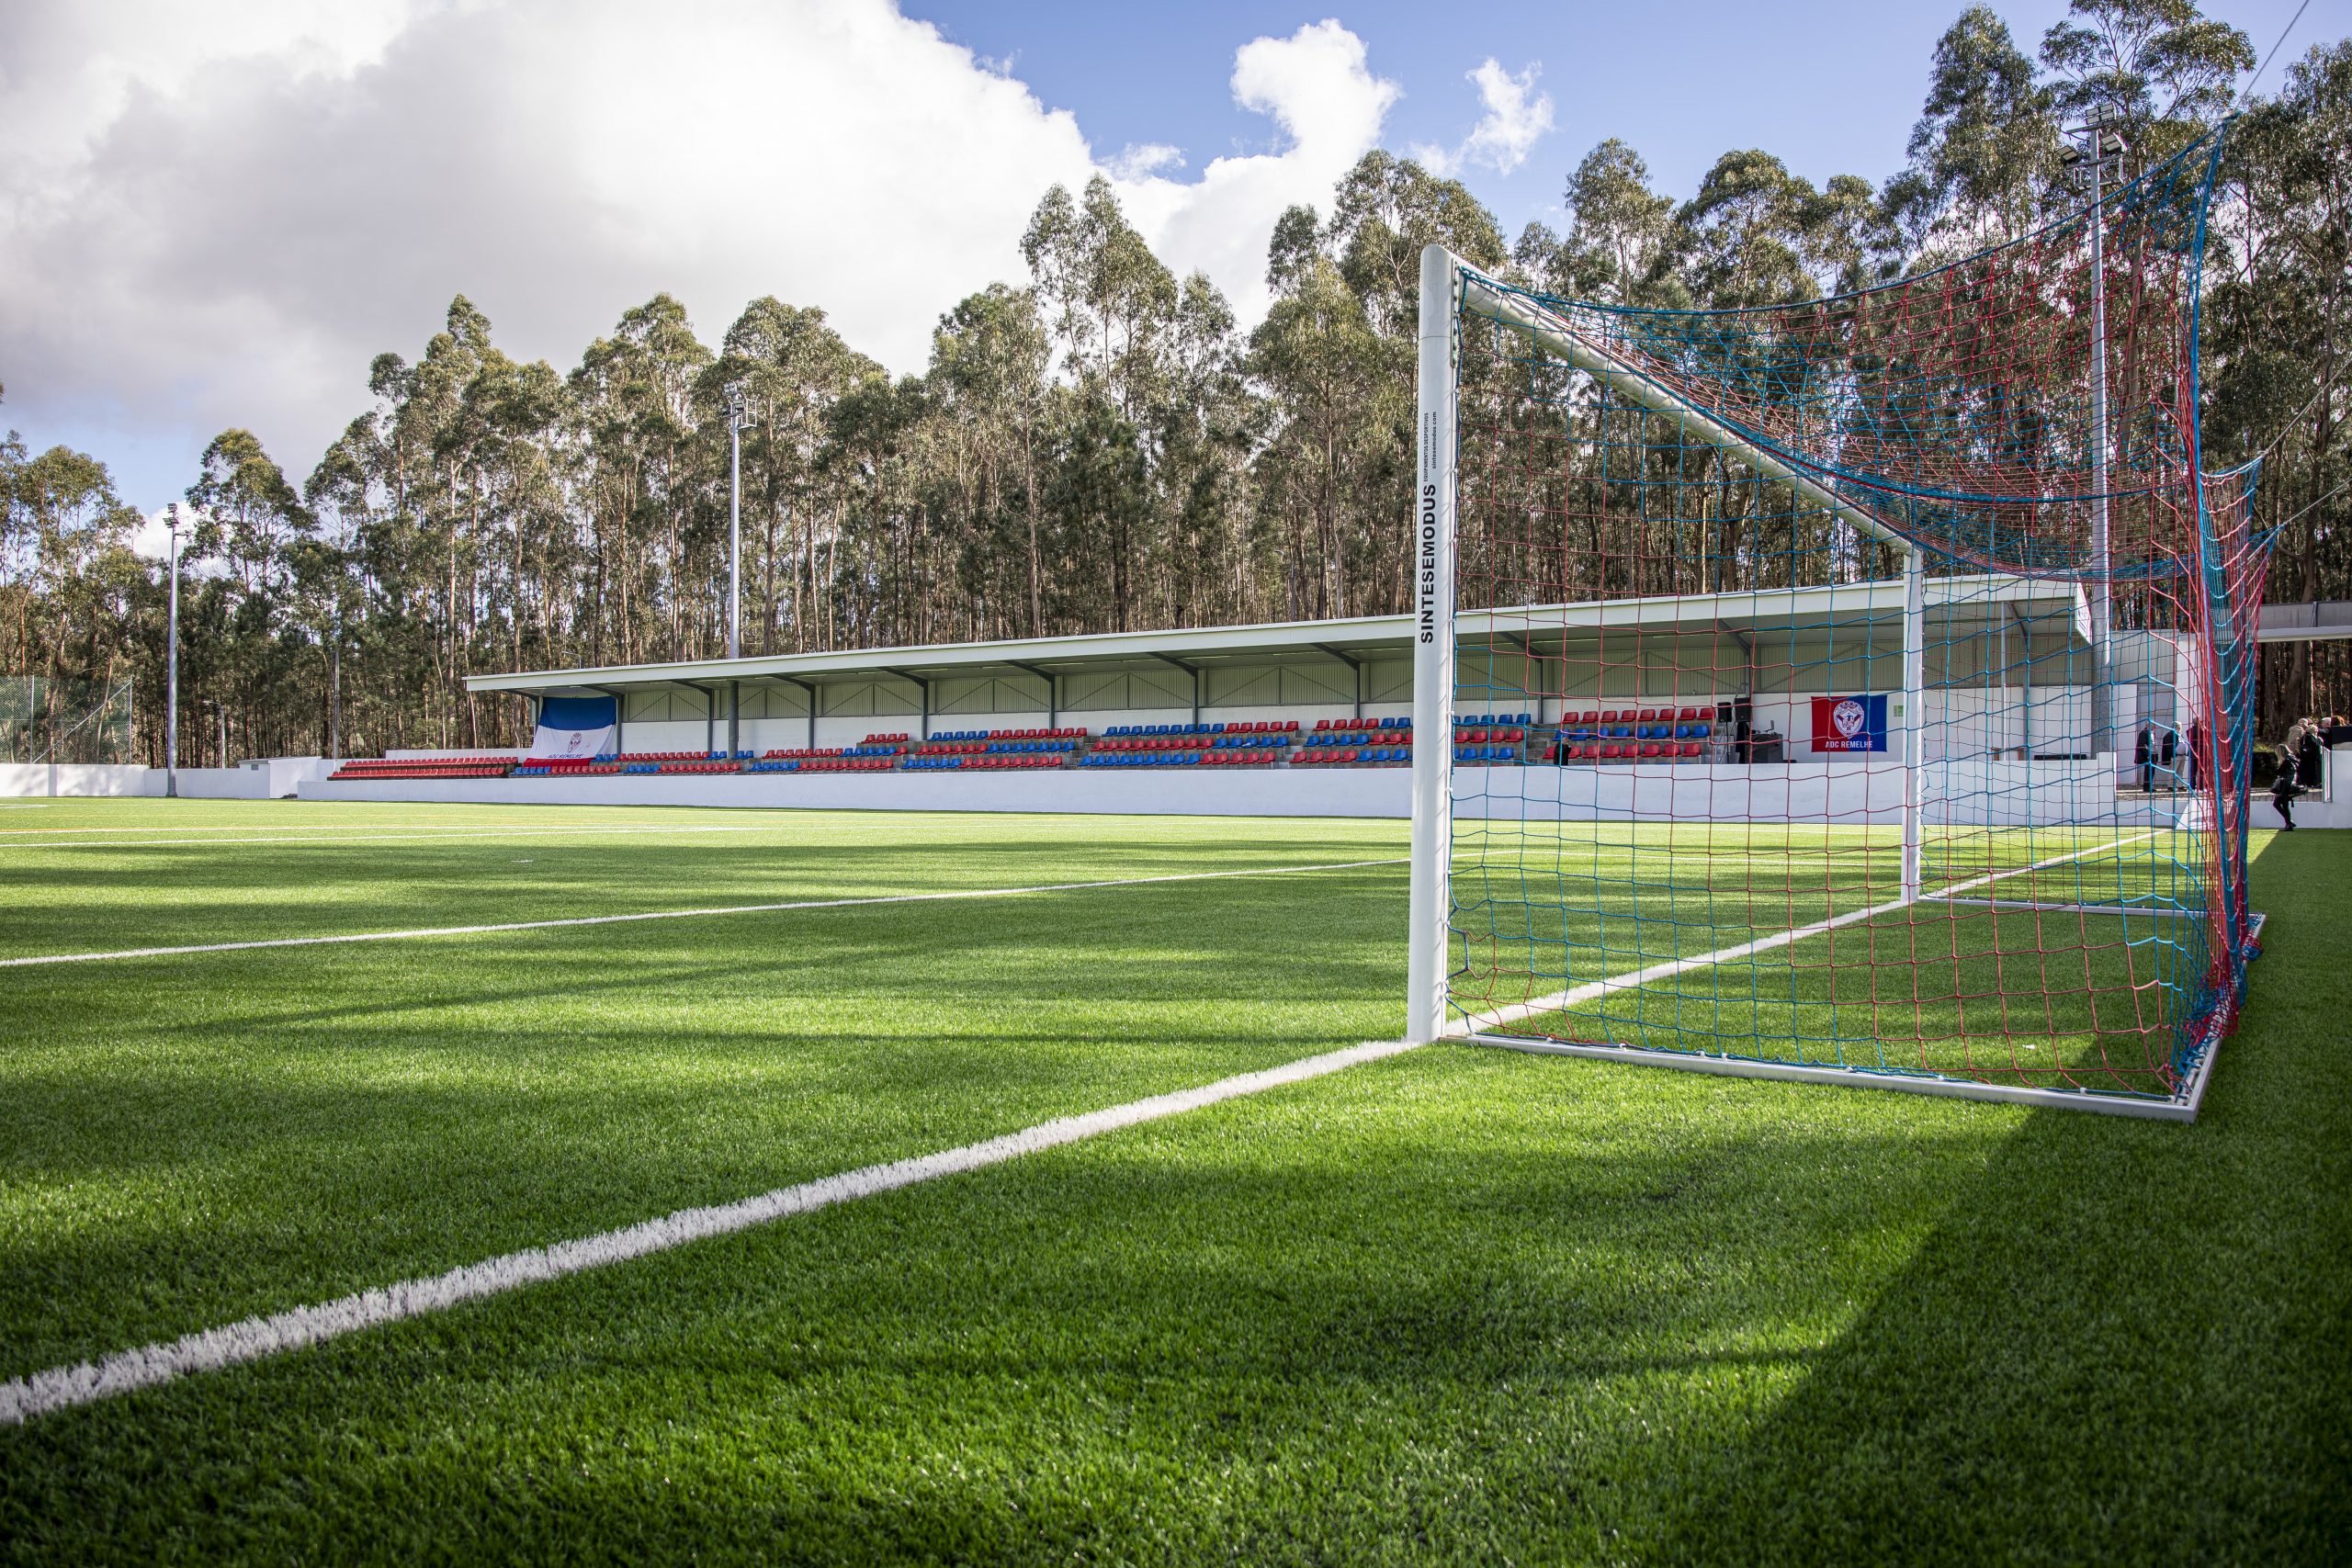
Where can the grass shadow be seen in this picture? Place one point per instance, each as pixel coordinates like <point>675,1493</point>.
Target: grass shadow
<point>2125,1342</point>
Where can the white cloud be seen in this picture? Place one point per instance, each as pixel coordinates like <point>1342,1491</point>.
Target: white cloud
<point>1319,89</point>
<point>216,216</point>
<point>154,540</point>
<point>1516,117</point>
<point>1143,160</point>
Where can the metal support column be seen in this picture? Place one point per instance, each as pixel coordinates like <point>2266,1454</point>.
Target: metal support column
<point>1355,668</point>
<point>1053,691</point>
<point>1915,700</point>
<point>808,691</point>
<point>1194,671</point>
<point>2025,680</point>
<point>620,715</point>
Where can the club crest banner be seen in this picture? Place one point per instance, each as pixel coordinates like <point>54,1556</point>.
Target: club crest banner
<point>1849,723</point>
<point>574,726</point>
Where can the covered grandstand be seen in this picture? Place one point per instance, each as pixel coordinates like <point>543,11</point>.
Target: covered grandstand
<point>1312,717</point>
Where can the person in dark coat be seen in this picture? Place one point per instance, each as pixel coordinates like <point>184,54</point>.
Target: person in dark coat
<point>2310,758</point>
<point>2283,787</point>
<point>2139,754</point>
<point>2168,749</point>
<point>2196,749</point>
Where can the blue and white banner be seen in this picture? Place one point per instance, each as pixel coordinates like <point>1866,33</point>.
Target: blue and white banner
<point>1849,723</point>
<point>575,726</point>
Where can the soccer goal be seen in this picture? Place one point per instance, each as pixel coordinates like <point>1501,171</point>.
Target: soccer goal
<point>1854,691</point>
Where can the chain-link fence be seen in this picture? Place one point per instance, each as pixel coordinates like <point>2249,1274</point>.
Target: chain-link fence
<point>45,720</point>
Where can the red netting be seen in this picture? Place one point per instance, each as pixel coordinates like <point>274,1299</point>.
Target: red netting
<point>1769,807</point>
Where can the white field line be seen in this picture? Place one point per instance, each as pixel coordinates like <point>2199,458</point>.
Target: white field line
<point>1576,995</point>
<point>223,828</point>
<point>213,1348</point>
<point>686,914</point>
<point>347,837</point>
<point>483,824</point>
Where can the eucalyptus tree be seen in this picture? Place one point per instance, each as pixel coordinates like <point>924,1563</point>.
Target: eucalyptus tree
<point>635,396</point>
<point>791,369</point>
<point>68,562</point>
<point>1323,476</point>
<point>1206,423</point>
<point>1986,144</point>
<point>2278,331</point>
<point>1105,297</point>
<point>2161,69</point>
<point>1618,229</point>
<point>988,381</point>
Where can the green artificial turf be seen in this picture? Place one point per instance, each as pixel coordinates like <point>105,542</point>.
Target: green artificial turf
<point>1458,1306</point>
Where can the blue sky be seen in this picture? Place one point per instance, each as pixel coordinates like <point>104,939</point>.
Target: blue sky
<point>1832,87</point>
<point>215,216</point>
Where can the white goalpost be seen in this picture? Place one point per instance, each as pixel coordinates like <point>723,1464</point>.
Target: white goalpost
<point>1657,877</point>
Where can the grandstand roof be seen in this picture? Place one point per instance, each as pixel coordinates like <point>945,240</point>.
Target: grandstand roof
<point>1846,608</point>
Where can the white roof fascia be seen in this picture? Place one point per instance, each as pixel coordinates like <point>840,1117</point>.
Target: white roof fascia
<point>1304,638</point>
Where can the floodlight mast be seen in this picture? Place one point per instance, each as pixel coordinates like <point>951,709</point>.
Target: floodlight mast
<point>2099,145</point>
<point>735,417</point>
<point>172,663</point>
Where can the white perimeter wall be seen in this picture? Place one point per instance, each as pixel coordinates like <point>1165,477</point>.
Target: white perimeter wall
<point>1357,792</point>
<point>32,779</point>
<point>1972,792</point>
<point>263,779</point>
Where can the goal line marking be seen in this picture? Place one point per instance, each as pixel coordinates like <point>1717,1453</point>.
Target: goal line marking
<point>685,914</point>
<point>252,1338</point>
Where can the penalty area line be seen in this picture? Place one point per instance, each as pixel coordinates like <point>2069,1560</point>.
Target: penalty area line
<point>252,1338</point>
<point>686,914</point>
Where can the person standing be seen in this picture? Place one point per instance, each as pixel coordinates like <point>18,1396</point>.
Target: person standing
<point>2310,758</point>
<point>2196,749</point>
<point>2168,748</point>
<point>2283,784</point>
<point>2139,754</point>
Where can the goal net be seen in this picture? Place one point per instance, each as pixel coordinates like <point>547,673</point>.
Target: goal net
<point>1856,689</point>
<point>43,719</point>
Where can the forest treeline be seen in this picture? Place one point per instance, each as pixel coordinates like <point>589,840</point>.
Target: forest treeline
<point>1099,446</point>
